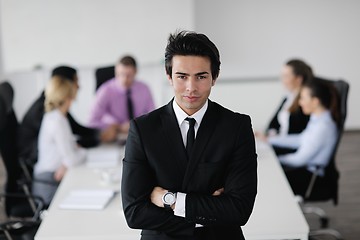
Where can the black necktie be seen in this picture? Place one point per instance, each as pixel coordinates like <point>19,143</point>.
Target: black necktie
<point>129,104</point>
<point>190,135</point>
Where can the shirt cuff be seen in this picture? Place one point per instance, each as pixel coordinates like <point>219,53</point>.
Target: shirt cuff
<point>180,204</point>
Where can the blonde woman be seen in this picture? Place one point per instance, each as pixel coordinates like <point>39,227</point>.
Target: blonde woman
<point>57,147</point>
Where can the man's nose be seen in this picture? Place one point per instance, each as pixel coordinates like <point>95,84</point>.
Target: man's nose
<point>191,84</point>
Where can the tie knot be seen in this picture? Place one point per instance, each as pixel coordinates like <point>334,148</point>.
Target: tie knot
<point>191,121</point>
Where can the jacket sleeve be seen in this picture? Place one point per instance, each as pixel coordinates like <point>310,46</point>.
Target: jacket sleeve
<point>235,205</point>
<point>138,181</point>
<point>87,137</point>
<point>274,123</point>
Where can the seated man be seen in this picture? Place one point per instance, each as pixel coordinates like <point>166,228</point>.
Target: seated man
<point>30,126</point>
<point>120,99</point>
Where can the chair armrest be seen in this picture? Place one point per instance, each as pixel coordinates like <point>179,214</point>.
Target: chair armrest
<point>312,182</point>
<point>29,183</point>
<point>39,203</point>
<point>16,224</point>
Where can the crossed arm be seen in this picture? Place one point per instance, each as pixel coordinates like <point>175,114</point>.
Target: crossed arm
<point>232,204</point>
<point>158,192</point>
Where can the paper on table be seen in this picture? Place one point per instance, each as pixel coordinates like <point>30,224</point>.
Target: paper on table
<point>103,158</point>
<point>85,199</point>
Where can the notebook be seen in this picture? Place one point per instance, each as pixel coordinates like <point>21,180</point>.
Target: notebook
<point>87,199</point>
<point>103,158</point>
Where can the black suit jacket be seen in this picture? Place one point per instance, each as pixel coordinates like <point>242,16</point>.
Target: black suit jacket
<point>30,126</point>
<point>223,156</point>
<point>297,121</point>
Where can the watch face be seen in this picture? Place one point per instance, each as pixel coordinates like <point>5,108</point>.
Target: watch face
<point>169,198</point>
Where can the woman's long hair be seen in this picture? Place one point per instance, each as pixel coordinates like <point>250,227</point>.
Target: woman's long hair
<point>303,70</point>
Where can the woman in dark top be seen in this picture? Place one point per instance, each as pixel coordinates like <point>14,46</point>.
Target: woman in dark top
<point>289,117</point>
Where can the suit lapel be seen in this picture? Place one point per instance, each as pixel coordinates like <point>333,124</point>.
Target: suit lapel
<point>205,131</point>
<point>173,140</point>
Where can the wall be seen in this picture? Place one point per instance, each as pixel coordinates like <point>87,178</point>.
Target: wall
<point>256,37</point>
<point>37,35</point>
<point>88,33</point>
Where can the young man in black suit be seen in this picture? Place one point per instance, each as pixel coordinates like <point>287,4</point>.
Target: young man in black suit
<point>190,169</point>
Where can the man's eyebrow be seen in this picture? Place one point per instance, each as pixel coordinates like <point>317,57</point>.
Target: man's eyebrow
<point>181,73</point>
<point>196,74</point>
<point>201,73</point>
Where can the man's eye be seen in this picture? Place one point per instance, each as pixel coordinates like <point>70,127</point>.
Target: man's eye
<point>181,77</point>
<point>201,77</point>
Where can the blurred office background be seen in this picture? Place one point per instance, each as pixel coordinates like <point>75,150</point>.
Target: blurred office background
<point>255,38</point>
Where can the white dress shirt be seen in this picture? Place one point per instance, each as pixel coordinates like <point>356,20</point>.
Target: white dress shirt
<point>314,145</point>
<point>57,144</point>
<point>184,127</point>
<point>284,114</point>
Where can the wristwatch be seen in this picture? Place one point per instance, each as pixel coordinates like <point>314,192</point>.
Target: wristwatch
<point>169,198</point>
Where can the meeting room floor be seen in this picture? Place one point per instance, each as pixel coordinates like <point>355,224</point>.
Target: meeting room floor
<point>345,217</point>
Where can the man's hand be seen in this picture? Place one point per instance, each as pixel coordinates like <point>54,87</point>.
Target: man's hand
<point>124,128</point>
<point>156,196</point>
<point>218,192</point>
<point>59,173</point>
<point>260,136</point>
<point>109,134</point>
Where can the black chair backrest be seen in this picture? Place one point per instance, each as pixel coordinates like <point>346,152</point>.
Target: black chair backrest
<point>6,99</point>
<point>8,135</point>
<point>104,74</point>
<point>331,172</point>
<point>14,206</point>
<point>342,88</point>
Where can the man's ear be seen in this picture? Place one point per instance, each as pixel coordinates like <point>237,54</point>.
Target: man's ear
<point>169,79</point>
<point>213,82</point>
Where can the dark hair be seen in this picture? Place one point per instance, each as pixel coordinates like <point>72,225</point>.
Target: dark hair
<point>128,61</point>
<point>65,72</point>
<point>191,43</point>
<point>327,95</point>
<point>300,69</point>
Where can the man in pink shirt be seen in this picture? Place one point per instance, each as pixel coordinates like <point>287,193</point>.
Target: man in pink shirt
<point>120,99</point>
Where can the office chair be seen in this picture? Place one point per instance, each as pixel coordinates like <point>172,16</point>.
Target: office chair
<point>17,203</point>
<point>104,74</point>
<point>326,188</point>
<point>19,229</point>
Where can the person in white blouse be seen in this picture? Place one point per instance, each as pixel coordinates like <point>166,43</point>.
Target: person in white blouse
<point>57,146</point>
<point>316,143</point>
<point>289,117</point>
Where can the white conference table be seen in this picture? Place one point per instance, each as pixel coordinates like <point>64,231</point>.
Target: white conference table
<point>276,213</point>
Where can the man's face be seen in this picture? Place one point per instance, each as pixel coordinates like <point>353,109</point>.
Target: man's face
<point>125,75</point>
<point>76,81</point>
<point>192,81</point>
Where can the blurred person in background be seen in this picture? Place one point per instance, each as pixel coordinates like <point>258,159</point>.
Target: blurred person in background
<point>30,125</point>
<point>316,143</point>
<point>121,99</point>
<point>289,117</point>
<point>58,149</point>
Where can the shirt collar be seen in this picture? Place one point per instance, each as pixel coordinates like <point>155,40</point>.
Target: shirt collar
<point>181,115</point>
<point>122,88</point>
<point>325,114</point>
